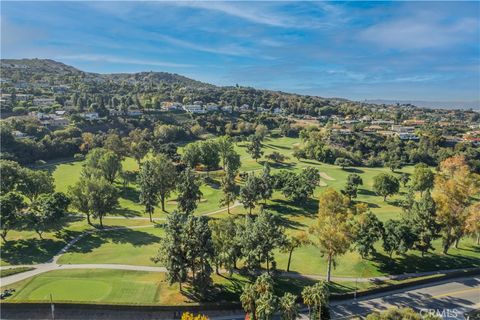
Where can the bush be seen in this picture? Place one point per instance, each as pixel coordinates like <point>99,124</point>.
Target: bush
<point>19,110</point>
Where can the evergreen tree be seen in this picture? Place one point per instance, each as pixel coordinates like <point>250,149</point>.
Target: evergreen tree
<point>188,189</point>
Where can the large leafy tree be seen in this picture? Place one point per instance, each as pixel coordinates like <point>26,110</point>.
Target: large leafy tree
<point>351,188</point>
<point>423,219</point>
<point>102,199</point>
<point>147,182</point>
<point>250,193</point>
<point>229,157</point>
<point>12,174</point>
<point>94,197</point>
<point>166,177</point>
<point>225,242</point>
<point>332,232</point>
<point>188,189</point>
<point>259,238</point>
<point>48,212</point>
<point>398,237</point>
<point>385,185</point>
<point>367,230</point>
<point>472,226</point>
<point>34,183</point>
<point>254,148</point>
<point>293,242</point>
<point>138,144</point>
<point>422,178</point>
<point>199,251</point>
<point>110,164</point>
<point>454,187</point>
<point>11,206</point>
<point>172,253</point>
<point>266,187</point>
<point>209,155</point>
<point>192,155</point>
<point>230,190</point>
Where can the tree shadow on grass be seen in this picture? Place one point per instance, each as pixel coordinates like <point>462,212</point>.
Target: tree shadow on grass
<point>307,208</point>
<point>281,165</point>
<point>366,192</point>
<point>410,263</point>
<point>353,170</point>
<point>31,251</point>
<point>130,193</point>
<point>125,212</point>
<point>276,146</point>
<point>369,204</point>
<point>123,236</point>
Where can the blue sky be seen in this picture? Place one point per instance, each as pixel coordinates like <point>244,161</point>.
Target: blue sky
<point>356,50</point>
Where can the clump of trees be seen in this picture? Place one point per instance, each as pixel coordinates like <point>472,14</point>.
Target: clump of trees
<point>28,201</point>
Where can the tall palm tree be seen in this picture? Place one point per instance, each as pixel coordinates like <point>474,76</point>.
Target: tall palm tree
<point>288,306</point>
<point>248,298</point>
<point>315,297</point>
<point>266,305</point>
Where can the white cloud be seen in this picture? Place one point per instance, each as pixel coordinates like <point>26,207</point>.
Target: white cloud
<point>114,59</point>
<point>419,32</point>
<point>228,49</point>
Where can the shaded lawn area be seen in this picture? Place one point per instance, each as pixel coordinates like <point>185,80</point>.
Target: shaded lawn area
<point>25,247</point>
<point>129,246</point>
<point>66,174</point>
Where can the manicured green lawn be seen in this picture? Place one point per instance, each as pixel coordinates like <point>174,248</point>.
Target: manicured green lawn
<point>25,247</point>
<point>97,286</point>
<point>138,246</point>
<point>139,287</point>
<point>130,246</point>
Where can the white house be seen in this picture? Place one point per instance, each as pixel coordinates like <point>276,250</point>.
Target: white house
<point>194,108</point>
<point>277,111</point>
<point>133,111</point>
<point>211,107</point>
<point>227,108</point>
<point>90,116</point>
<point>43,101</point>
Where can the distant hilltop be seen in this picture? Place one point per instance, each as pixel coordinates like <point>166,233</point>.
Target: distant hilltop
<point>475,105</point>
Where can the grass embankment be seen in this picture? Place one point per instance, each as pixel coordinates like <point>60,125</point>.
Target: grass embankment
<point>12,271</point>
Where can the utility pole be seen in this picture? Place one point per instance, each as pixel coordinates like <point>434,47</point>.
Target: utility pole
<point>52,306</point>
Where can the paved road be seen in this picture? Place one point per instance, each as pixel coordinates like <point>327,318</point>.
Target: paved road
<point>450,298</point>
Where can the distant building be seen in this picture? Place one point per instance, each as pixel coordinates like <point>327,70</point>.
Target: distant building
<point>414,122</point>
<point>90,116</point>
<point>384,122</point>
<point>277,111</point>
<point>115,112</point>
<point>133,111</point>
<point>407,136</point>
<point>402,129</point>
<point>210,107</point>
<point>194,108</point>
<point>227,109</point>
<point>43,101</point>
<point>19,135</point>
